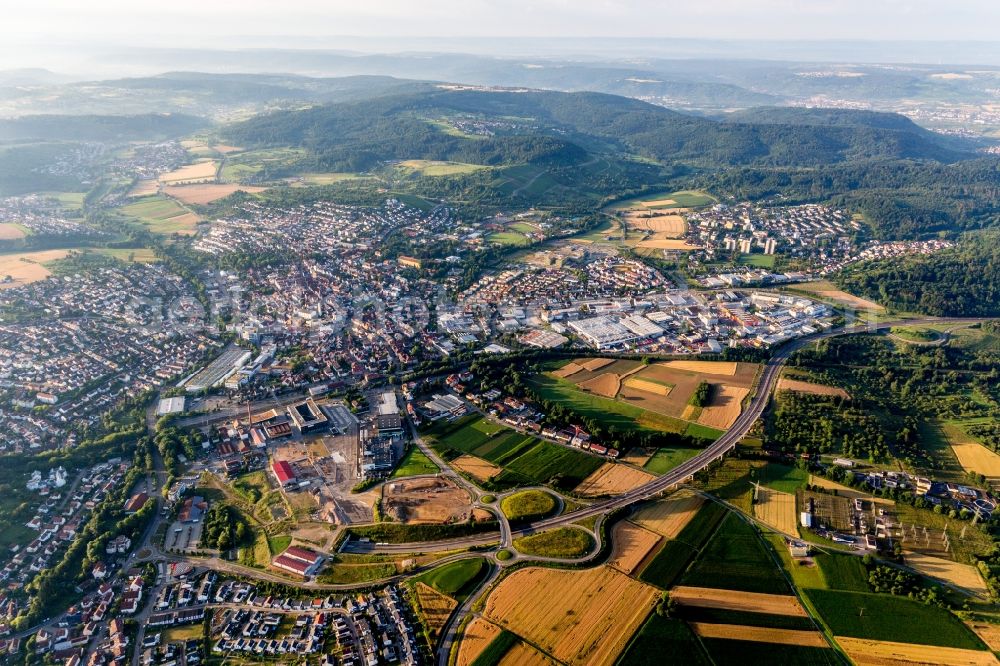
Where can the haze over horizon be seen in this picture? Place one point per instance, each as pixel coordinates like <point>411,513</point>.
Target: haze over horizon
<point>69,36</point>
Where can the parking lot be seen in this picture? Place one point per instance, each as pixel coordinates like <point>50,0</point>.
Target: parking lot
<point>183,536</point>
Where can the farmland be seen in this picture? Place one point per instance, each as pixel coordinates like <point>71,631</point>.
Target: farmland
<point>737,559</point>
<point>890,618</point>
<point>631,546</point>
<point>660,636</point>
<point>777,509</point>
<point>475,639</point>
<point>613,479</point>
<point>675,555</point>
<point>27,267</point>
<point>199,172</point>
<point>752,602</point>
<point>162,215</point>
<point>669,516</point>
<point>726,651</point>
<point>875,653</point>
<point>843,572</point>
<point>579,617</point>
<point>434,607</point>
<point>526,459</point>
<point>206,193</point>
<point>477,468</point>
<point>759,634</point>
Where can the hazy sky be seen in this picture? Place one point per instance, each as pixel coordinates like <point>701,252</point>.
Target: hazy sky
<point>229,22</point>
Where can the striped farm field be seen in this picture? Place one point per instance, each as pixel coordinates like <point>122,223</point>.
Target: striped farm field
<point>777,510</point>
<point>864,652</point>
<point>612,479</point>
<point>753,602</point>
<point>705,367</point>
<point>646,385</point>
<point>738,632</point>
<point>631,546</point>
<point>581,618</point>
<point>477,635</point>
<point>668,517</point>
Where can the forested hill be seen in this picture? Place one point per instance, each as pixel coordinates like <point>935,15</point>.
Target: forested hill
<point>146,127</point>
<point>408,126</point>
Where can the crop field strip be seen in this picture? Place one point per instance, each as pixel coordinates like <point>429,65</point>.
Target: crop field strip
<point>751,602</point>
<point>579,617</point>
<point>478,634</point>
<point>760,634</point>
<point>890,618</point>
<point>864,652</point>
<point>631,546</point>
<point>676,554</point>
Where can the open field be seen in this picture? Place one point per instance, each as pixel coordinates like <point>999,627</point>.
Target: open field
<point>673,558</point>
<point>478,634</point>
<point>638,456</point>
<point>199,172</point>
<point>829,291</point>
<point>661,636</point>
<point>144,188</point>
<point>777,509</point>
<point>724,406</point>
<point>631,546</point>
<point>11,231</point>
<point>414,463</point>
<point>456,579</point>
<point>563,542</point>
<point>669,516</point>
<point>890,618</point>
<point>665,459</point>
<point>662,225</point>
<point>522,654</point>
<point>435,607</point>
<point>477,468</point>
<point>736,558</point>
<point>972,456</point>
<point>705,367</point>
<point>759,634</point>
<point>809,387</point>
<point>751,602</point>
<point>208,192</point>
<point>595,364</point>
<point>962,575</point>
<point>27,267</point>
<point>657,388</point>
<point>886,653</point>
<point>579,617</point>
<point>988,632</point>
<point>162,215</point>
<point>567,370</point>
<point>426,500</point>
<point>439,168</point>
<point>606,385</point>
<point>679,199</point>
<point>667,244</point>
<point>613,479</point>
<point>847,491</point>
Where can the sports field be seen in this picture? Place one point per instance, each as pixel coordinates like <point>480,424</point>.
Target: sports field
<point>579,617</point>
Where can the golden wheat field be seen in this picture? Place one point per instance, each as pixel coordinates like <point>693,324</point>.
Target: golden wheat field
<point>612,479</point>
<point>641,384</point>
<point>198,172</point>
<point>477,468</point>
<point>668,517</point>
<point>737,632</point>
<point>963,575</point>
<point>724,407</point>
<point>435,607</point>
<point>27,267</point>
<point>704,367</point>
<point>754,602</point>
<point>579,617</point>
<point>865,652</point>
<point>631,545</point>
<point>523,654</point>
<point>477,635</point>
<point>777,509</point>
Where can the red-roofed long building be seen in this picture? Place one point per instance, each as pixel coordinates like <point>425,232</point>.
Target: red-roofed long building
<point>301,561</point>
<point>283,472</point>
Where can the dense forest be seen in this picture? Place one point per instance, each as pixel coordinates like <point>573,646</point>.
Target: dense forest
<point>962,281</point>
